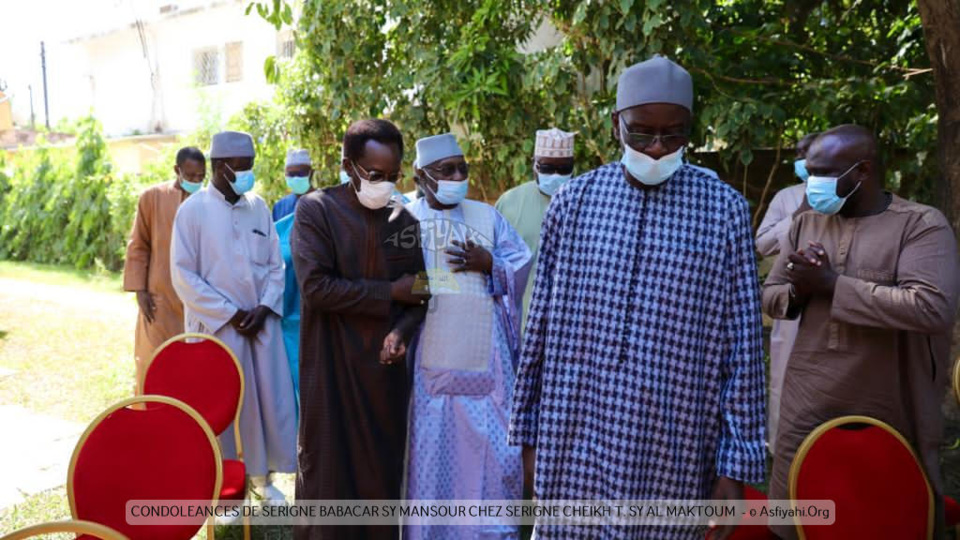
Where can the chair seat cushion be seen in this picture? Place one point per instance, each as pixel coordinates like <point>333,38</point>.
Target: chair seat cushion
<point>234,480</point>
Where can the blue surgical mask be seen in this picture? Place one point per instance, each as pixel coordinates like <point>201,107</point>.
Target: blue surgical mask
<point>449,192</point>
<point>644,168</point>
<point>190,187</point>
<point>822,192</point>
<point>550,183</point>
<point>344,177</point>
<point>800,169</point>
<point>242,180</point>
<point>298,184</point>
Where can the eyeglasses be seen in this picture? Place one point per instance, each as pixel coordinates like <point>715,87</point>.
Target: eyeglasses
<point>448,170</point>
<point>546,168</point>
<point>377,176</point>
<point>642,141</point>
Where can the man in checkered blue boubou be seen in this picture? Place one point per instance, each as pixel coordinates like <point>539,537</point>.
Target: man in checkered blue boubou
<point>641,373</point>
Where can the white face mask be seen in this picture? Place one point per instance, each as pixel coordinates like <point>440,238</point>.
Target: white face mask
<point>374,195</point>
<point>649,171</point>
<point>644,168</point>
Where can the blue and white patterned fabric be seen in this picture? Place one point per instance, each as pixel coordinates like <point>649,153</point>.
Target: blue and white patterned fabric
<point>641,373</point>
<point>461,399</point>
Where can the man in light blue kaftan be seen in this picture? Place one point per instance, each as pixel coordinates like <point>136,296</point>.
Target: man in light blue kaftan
<point>290,323</point>
<point>465,358</point>
<point>641,374</point>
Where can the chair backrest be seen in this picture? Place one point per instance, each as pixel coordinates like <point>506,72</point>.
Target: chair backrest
<point>87,528</point>
<point>872,474</point>
<point>201,371</point>
<point>163,451</point>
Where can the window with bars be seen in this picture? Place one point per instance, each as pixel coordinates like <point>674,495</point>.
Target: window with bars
<point>206,65</point>
<point>234,54</point>
<point>286,44</point>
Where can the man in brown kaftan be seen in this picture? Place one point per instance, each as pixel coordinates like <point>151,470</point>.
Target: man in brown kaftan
<point>875,278</point>
<point>357,256</point>
<point>146,269</point>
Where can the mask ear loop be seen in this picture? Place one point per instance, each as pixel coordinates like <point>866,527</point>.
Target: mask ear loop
<point>427,187</point>
<point>848,171</point>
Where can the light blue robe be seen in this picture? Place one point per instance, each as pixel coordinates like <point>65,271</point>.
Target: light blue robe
<point>291,304</point>
<point>465,363</point>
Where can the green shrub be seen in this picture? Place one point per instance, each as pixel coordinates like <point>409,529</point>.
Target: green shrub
<point>271,132</point>
<point>66,206</point>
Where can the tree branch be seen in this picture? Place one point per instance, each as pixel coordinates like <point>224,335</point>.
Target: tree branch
<point>766,187</point>
<point>908,71</point>
<point>767,81</point>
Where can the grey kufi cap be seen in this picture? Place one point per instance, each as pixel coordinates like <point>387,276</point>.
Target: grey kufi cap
<point>231,144</point>
<point>298,157</point>
<point>657,80</point>
<point>433,149</point>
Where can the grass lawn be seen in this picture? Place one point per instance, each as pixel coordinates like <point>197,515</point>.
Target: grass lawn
<point>67,336</point>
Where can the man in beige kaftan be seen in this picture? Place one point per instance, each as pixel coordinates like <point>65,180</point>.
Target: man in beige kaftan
<point>146,269</point>
<point>875,279</point>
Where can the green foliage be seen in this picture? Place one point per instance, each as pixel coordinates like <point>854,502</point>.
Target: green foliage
<point>766,73</point>
<point>65,206</point>
<point>269,127</point>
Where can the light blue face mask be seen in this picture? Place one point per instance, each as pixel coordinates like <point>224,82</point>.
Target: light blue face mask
<point>822,192</point>
<point>344,177</point>
<point>190,187</point>
<point>800,169</point>
<point>550,183</point>
<point>449,192</point>
<point>242,180</point>
<point>298,184</point>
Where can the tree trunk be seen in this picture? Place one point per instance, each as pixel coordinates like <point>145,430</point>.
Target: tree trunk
<point>941,28</point>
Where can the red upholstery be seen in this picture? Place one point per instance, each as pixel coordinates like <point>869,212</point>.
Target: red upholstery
<point>951,511</point>
<point>877,484</point>
<point>201,374</point>
<point>157,453</point>
<point>234,480</point>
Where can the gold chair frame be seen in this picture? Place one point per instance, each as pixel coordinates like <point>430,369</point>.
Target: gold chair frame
<point>236,418</point>
<point>144,399</point>
<point>68,526</point>
<point>955,382</point>
<point>815,435</point>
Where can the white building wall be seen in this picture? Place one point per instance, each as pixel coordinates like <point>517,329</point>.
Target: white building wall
<point>109,75</point>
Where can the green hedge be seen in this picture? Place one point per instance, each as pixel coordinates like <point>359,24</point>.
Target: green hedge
<point>66,205</point>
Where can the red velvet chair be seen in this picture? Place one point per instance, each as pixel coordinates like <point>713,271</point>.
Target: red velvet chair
<point>873,475</point>
<point>161,451</point>
<point>202,371</point>
<point>88,529</point>
<point>951,506</point>
<point>951,510</point>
